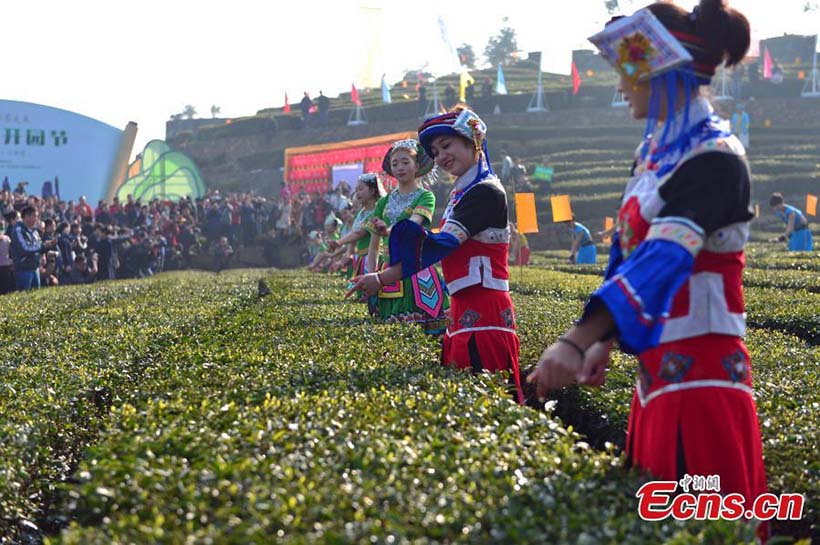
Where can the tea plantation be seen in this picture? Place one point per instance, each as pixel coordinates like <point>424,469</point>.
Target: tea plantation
<point>186,409</point>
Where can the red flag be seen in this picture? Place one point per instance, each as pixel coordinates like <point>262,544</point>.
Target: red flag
<point>287,104</point>
<point>767,64</point>
<point>354,95</point>
<point>576,79</point>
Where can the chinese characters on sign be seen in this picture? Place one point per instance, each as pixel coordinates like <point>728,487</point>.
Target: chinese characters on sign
<point>34,137</point>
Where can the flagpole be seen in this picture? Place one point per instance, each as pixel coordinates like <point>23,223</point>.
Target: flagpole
<point>538,98</point>
<point>436,107</point>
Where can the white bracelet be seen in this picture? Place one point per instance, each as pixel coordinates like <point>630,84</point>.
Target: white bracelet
<point>379,279</point>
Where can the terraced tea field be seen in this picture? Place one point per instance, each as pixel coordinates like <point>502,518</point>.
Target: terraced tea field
<point>185,409</point>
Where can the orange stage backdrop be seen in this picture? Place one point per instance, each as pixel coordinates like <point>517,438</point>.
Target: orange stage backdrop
<point>309,168</point>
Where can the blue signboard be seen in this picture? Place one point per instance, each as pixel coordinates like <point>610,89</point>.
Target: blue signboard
<point>39,144</point>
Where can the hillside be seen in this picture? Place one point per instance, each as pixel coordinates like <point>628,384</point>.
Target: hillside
<point>590,149</point>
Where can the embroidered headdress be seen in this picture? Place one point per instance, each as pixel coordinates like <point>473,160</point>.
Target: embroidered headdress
<point>464,123</point>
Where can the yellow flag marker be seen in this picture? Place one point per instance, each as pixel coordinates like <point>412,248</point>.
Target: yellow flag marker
<point>561,210</point>
<point>757,211</point>
<point>464,79</point>
<point>525,213</point>
<point>811,205</point>
<point>609,223</point>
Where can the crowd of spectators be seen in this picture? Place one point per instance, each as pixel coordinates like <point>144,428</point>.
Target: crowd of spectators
<point>49,241</point>
<point>298,214</point>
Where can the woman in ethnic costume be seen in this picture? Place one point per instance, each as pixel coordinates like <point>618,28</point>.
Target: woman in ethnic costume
<point>421,297</point>
<point>672,293</point>
<point>472,245</point>
<point>369,190</point>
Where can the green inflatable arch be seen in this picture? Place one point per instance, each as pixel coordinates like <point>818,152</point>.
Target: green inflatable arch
<point>162,173</point>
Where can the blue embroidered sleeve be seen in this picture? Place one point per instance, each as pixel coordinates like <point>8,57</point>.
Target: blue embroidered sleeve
<point>638,292</point>
<point>417,248</point>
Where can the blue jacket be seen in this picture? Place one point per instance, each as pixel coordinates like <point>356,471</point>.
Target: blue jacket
<point>26,247</point>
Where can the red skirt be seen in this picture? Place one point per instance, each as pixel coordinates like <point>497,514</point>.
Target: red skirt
<point>693,413</point>
<point>481,334</point>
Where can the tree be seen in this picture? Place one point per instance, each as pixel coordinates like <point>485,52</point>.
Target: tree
<point>189,112</point>
<point>215,110</point>
<point>466,56</point>
<point>810,6</point>
<point>501,47</point>
<point>611,6</point>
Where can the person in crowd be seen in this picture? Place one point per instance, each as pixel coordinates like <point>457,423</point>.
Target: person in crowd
<point>26,247</point>
<point>798,234</point>
<point>222,254</point>
<point>683,224</point>
<point>297,212</point>
<point>248,219</point>
<point>65,246</point>
<point>81,272</point>
<point>11,218</point>
<point>323,106</point>
<point>582,250</point>
<point>49,230</point>
<point>7,282</point>
<point>83,209</point>
<point>469,92</point>
<point>472,245</point>
<point>49,270</point>
<point>102,214</point>
<point>420,297</point>
<point>105,254</point>
<point>283,224</point>
<point>305,105</point>
<point>422,94</point>
<point>487,88</point>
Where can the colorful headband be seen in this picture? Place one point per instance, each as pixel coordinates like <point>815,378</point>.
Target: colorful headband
<point>407,143</point>
<point>465,123</point>
<point>639,47</point>
<point>424,160</point>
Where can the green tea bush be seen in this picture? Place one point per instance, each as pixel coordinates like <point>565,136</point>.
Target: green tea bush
<point>185,409</point>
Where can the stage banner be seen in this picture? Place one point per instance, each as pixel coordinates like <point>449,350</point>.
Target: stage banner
<point>40,144</point>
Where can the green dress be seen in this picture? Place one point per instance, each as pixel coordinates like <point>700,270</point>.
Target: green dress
<point>363,221</point>
<point>421,298</point>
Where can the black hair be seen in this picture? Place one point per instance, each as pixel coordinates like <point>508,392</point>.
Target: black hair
<point>776,199</point>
